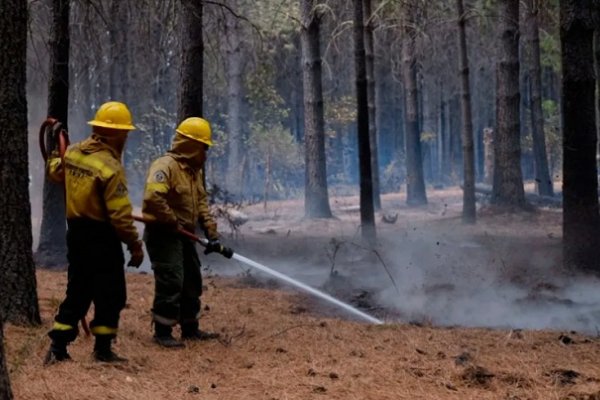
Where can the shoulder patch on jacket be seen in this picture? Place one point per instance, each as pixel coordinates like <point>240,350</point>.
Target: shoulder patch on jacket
<point>160,176</point>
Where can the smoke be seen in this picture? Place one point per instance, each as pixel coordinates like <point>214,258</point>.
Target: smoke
<point>443,276</point>
<point>499,282</point>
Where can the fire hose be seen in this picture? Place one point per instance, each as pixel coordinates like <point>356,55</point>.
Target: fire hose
<point>51,125</point>
<point>229,253</point>
<point>55,127</point>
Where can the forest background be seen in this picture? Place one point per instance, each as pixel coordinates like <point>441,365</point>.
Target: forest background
<point>441,93</point>
<point>253,89</point>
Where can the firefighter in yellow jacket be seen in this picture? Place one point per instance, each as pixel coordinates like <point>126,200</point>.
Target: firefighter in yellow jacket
<point>175,197</point>
<point>98,219</point>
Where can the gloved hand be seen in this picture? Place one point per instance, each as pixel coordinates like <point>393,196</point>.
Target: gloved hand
<point>214,246</point>
<point>137,254</point>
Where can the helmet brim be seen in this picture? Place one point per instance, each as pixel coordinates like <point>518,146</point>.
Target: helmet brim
<point>120,127</point>
<point>209,143</point>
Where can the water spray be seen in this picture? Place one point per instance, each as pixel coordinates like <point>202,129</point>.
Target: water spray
<point>227,252</point>
<point>306,288</point>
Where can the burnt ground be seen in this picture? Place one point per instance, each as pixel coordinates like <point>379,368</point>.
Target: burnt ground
<point>428,267</point>
<point>471,312</point>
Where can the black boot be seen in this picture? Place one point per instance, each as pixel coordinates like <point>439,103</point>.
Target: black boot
<point>58,347</point>
<point>163,335</point>
<point>103,351</point>
<point>57,353</point>
<point>190,331</point>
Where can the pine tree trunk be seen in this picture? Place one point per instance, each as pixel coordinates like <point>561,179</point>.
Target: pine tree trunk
<point>488,156</point>
<point>441,139</point>
<point>597,68</point>
<point>581,221</point>
<point>508,179</point>
<point>415,182</point>
<point>370,58</point>
<point>469,215</point>
<point>542,174</point>
<point>367,214</point>
<point>5,391</point>
<point>118,79</point>
<point>18,302</point>
<point>119,54</point>
<point>316,199</point>
<point>234,70</point>
<point>192,60</point>
<point>52,247</point>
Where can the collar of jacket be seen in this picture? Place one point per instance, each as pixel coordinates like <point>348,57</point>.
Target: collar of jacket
<point>96,143</point>
<point>184,162</point>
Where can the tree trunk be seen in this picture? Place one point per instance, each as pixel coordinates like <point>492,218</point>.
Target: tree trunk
<point>5,391</point>
<point>415,182</point>
<point>367,215</point>
<point>316,199</point>
<point>542,174</point>
<point>192,59</point>
<point>597,68</point>
<point>267,180</point>
<point>488,156</point>
<point>234,70</point>
<point>370,59</point>
<point>18,302</point>
<point>581,222</point>
<point>441,139</point>
<point>118,57</point>
<point>508,178</point>
<point>469,214</point>
<point>52,247</point>
<point>118,80</point>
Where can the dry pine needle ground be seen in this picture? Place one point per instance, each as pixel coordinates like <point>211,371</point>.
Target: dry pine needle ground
<point>269,350</point>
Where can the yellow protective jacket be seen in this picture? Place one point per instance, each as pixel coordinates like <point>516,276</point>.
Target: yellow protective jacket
<point>95,185</point>
<point>175,194</point>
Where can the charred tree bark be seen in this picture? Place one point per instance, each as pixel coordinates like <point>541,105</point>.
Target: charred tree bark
<point>192,60</point>
<point>52,248</point>
<point>367,214</point>
<point>18,302</point>
<point>234,66</point>
<point>370,59</point>
<point>508,178</point>
<point>542,173</point>
<point>469,214</point>
<point>5,391</point>
<point>415,182</point>
<point>316,199</point>
<point>581,221</point>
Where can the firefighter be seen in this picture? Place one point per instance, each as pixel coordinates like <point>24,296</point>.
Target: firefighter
<point>98,219</point>
<point>175,197</point>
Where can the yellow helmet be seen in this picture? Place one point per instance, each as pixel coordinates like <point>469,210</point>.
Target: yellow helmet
<point>197,129</point>
<point>113,115</point>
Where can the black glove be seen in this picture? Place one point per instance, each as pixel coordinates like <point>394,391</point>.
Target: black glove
<point>214,246</point>
<point>137,254</point>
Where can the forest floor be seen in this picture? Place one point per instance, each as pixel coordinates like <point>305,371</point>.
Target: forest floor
<point>471,312</point>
